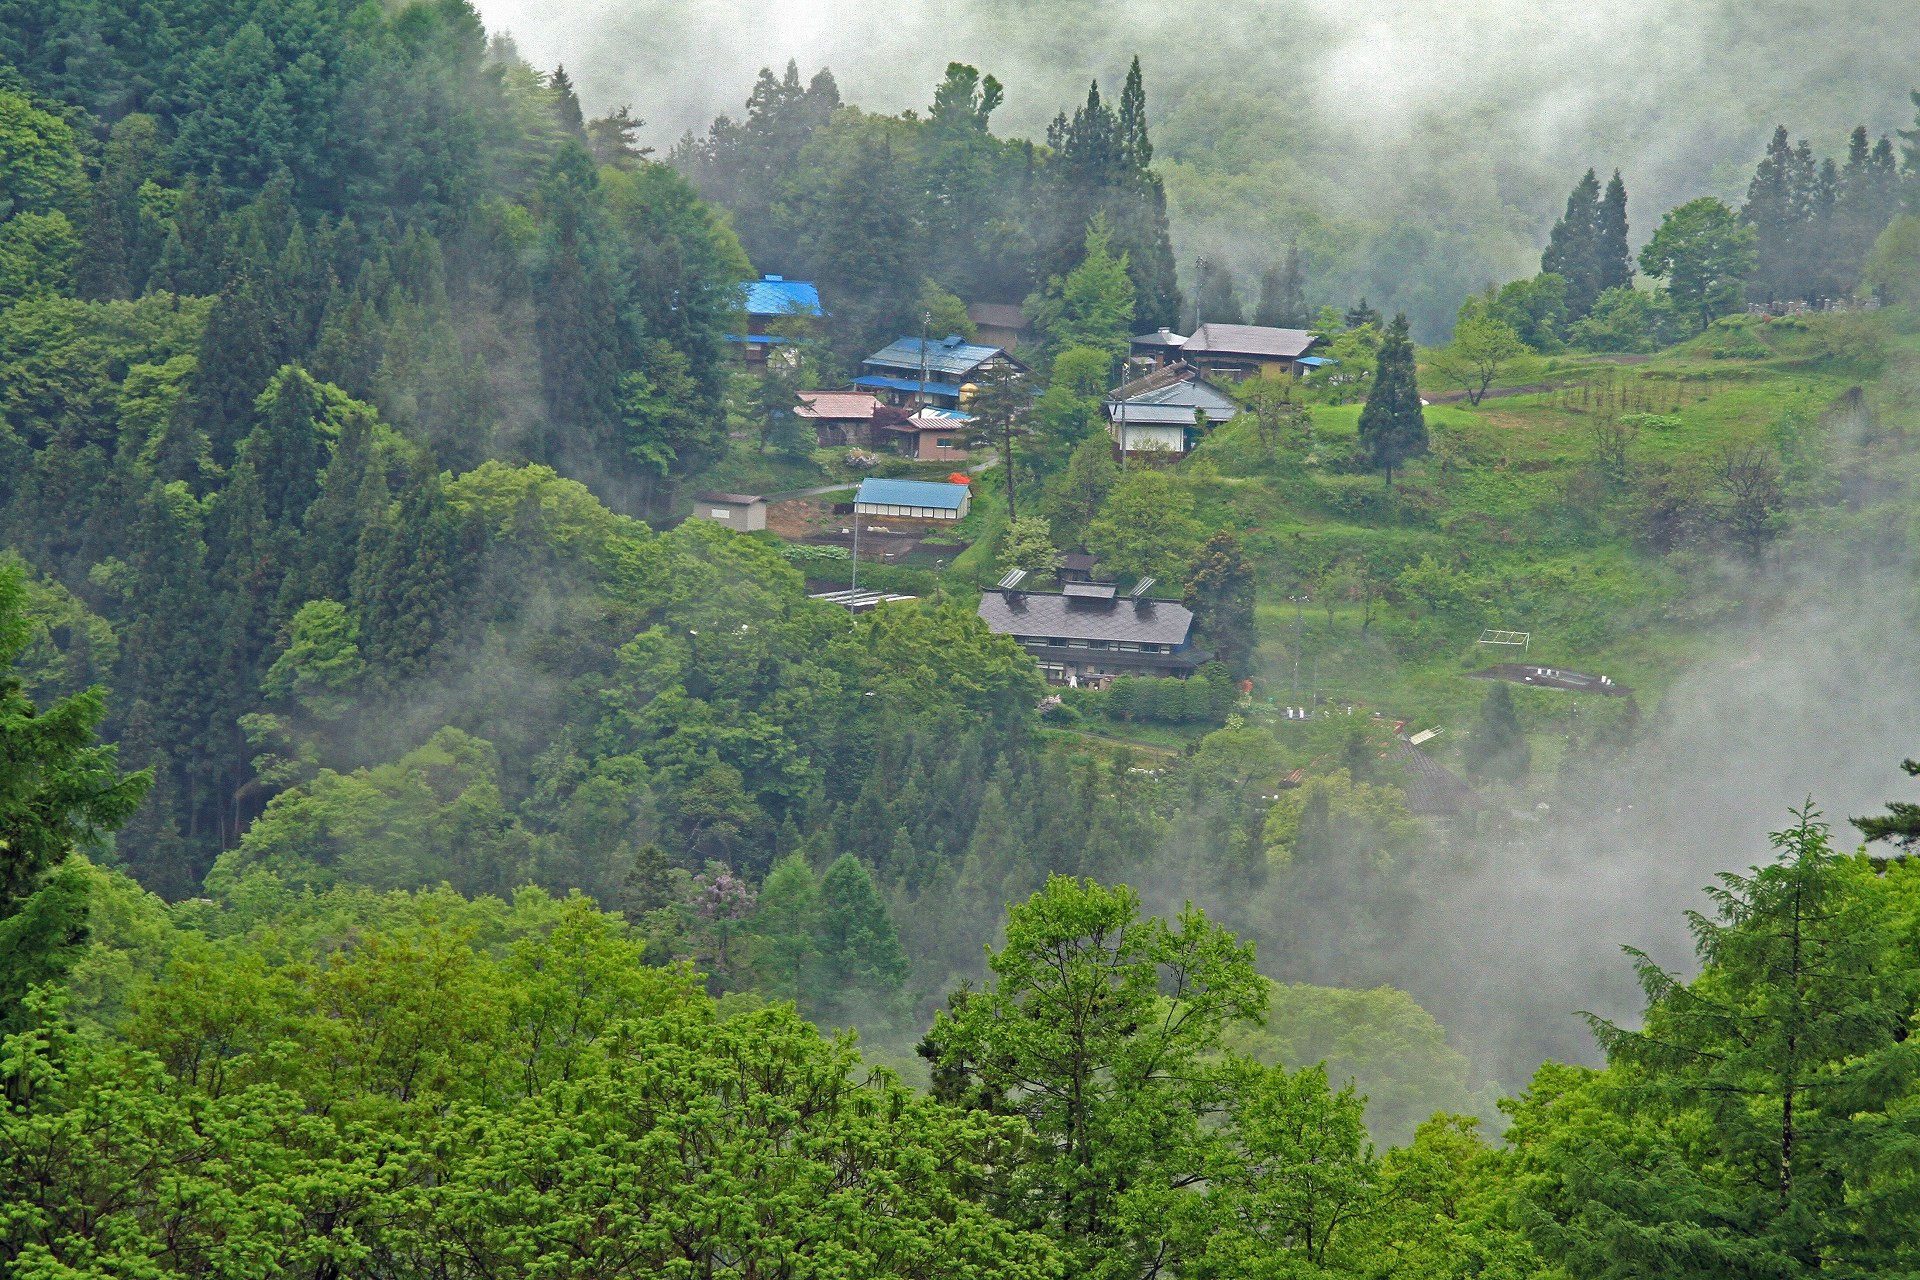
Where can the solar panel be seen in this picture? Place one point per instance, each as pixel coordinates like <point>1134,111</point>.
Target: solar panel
<point>1013,579</point>
<point>1141,587</point>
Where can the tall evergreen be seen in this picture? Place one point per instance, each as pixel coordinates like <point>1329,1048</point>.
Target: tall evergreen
<point>1498,749</point>
<point>1393,427</point>
<point>1781,209</point>
<point>1216,300</point>
<point>1614,256</point>
<point>288,448</point>
<point>1576,246</point>
<point>121,241</point>
<point>1900,824</point>
<point>410,578</point>
<point>1283,294</point>
<point>577,317</point>
<point>566,106</point>
<point>59,788</point>
<point>1101,166</point>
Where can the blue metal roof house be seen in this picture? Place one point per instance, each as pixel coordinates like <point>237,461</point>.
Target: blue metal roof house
<point>768,299</point>
<point>913,499</point>
<point>949,363</point>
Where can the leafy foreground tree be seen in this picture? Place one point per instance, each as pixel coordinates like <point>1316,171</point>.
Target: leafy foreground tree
<point>57,790</point>
<point>411,1107</point>
<point>1762,1121</point>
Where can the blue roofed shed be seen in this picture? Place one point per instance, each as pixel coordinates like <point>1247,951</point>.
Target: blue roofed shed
<point>913,499</point>
<point>770,299</point>
<point>772,296</point>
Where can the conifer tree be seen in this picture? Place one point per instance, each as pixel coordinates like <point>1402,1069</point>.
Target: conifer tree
<point>1220,590</point>
<point>1613,254</point>
<point>861,960</point>
<point>1576,246</point>
<point>1900,824</point>
<point>119,246</point>
<point>409,578</point>
<point>1393,427</point>
<point>289,447</point>
<point>1498,750</point>
<point>1216,300</point>
<point>58,789</point>
<point>566,106</point>
<point>1283,294</point>
<point>576,316</point>
<point>1768,1094</point>
<point>242,347</point>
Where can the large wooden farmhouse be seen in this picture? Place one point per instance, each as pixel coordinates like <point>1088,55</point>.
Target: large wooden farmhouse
<point>1087,633</point>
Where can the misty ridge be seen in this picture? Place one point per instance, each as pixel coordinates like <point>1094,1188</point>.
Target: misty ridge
<point>1416,152</point>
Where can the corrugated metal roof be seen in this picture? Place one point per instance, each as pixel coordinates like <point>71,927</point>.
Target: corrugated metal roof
<point>1247,340</point>
<point>778,296</point>
<point>1431,791</point>
<point>1163,338</point>
<point>911,493</point>
<point>1045,614</point>
<point>1160,399</point>
<point>949,355</point>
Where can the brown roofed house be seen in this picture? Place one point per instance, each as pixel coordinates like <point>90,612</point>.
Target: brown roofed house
<point>839,417</point>
<point>1242,350</point>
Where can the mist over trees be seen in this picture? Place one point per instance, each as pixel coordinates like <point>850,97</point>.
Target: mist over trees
<point>433,846</point>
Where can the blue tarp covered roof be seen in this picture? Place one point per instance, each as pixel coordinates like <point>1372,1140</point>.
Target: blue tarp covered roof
<point>755,339</point>
<point>912,493</point>
<point>1316,362</point>
<point>944,355</point>
<point>779,296</point>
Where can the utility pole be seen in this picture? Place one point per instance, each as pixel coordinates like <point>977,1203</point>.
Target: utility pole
<point>853,580</point>
<point>920,395</point>
<point>1199,290</point>
<point>1299,623</point>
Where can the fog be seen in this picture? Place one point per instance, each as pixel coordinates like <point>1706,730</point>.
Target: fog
<point>1415,150</point>
<point>1418,151</point>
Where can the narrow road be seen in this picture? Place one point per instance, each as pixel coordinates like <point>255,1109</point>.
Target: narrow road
<point>818,490</point>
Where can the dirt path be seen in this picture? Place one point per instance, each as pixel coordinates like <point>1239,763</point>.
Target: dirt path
<point>1530,389</point>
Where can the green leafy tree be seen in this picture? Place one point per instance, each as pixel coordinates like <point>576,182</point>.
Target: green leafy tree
<point>59,789</point>
<point>1076,498</point>
<point>40,168</point>
<point>1393,428</point>
<point>1220,591</point>
<point>38,252</point>
<point>1626,319</point>
<point>1704,255</point>
<point>1481,347</point>
<point>1028,544</point>
<point>1146,527</point>
<point>1101,1028</point>
<point>1498,749</point>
